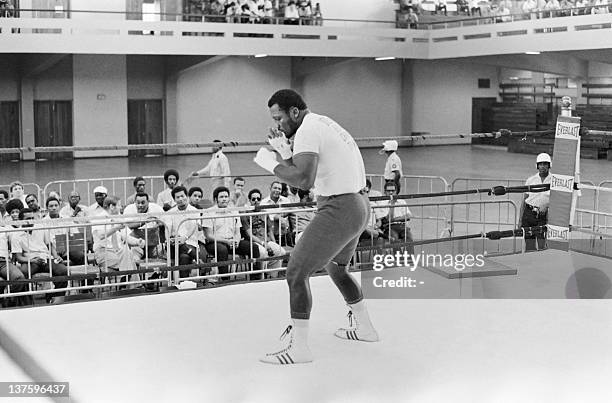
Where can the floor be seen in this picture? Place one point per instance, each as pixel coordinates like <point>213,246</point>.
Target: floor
<point>203,345</point>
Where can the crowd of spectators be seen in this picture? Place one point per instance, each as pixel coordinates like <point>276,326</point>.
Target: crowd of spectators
<point>497,10</point>
<point>7,8</point>
<point>290,12</point>
<point>113,238</point>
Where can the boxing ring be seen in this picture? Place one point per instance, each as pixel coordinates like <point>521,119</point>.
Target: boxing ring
<point>203,345</point>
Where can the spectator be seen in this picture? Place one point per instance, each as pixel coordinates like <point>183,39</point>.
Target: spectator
<point>601,7</point>
<point>529,6</point>
<point>195,196</point>
<point>504,13</point>
<point>223,233</point>
<point>394,224</point>
<point>534,209</point>
<point>16,190</point>
<point>96,209</point>
<point>32,203</point>
<point>305,12</point>
<point>393,166</point>
<point>279,220</point>
<point>10,272</point>
<point>54,194</point>
<point>4,197</point>
<point>217,10</point>
<point>474,6</point>
<point>413,19</point>
<point>164,198</point>
<point>139,187</point>
<point>441,6</point>
<point>302,219</point>
<point>256,228</point>
<point>580,4</point>
<point>73,208</point>
<point>218,168</point>
<point>13,207</point>
<point>231,9</point>
<point>36,253</point>
<point>551,7</point>
<point>183,235</point>
<point>147,230</point>
<point>291,14</point>
<point>318,17</point>
<point>373,230</point>
<point>112,242</point>
<point>268,10</point>
<point>75,255</point>
<point>238,199</point>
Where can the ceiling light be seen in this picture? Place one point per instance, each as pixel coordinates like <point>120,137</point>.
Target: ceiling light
<point>532,53</point>
<point>385,58</point>
<point>260,55</point>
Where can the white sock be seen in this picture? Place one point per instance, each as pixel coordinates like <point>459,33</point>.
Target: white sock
<point>300,328</point>
<point>361,315</point>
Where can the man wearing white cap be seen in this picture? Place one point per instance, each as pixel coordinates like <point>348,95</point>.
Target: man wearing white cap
<point>393,167</point>
<point>100,193</point>
<point>534,210</point>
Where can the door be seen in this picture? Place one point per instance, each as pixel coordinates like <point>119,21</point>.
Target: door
<point>145,125</point>
<point>53,127</point>
<point>481,118</point>
<point>9,128</point>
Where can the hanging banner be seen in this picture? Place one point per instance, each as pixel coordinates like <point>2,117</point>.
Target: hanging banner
<point>564,165</point>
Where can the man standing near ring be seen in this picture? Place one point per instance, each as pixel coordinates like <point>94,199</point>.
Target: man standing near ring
<point>326,156</point>
<point>534,210</point>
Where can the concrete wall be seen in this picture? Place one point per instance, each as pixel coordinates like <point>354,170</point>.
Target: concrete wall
<point>98,5</point>
<point>9,79</point>
<point>364,96</point>
<point>55,83</point>
<point>379,10</point>
<point>100,102</point>
<point>443,92</point>
<point>145,77</point>
<point>227,99</point>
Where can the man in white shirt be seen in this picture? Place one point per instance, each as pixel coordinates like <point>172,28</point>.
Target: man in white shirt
<point>185,234</point>
<point>164,198</point>
<point>238,198</point>
<point>36,253</point>
<point>534,210</point>
<point>217,168</point>
<point>280,221</point>
<point>325,157</point>
<point>4,198</point>
<point>393,166</point>
<point>223,233</point>
<point>394,219</point>
<point>97,208</point>
<point>148,230</point>
<point>10,272</point>
<point>112,241</point>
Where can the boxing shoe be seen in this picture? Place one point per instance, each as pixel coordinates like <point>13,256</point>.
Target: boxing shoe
<point>360,327</point>
<point>296,350</point>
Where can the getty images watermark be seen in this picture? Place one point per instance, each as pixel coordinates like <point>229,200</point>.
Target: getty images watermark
<point>401,274</point>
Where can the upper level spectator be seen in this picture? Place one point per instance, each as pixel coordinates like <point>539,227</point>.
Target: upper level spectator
<point>292,15</point>
<point>305,12</point>
<point>317,15</point>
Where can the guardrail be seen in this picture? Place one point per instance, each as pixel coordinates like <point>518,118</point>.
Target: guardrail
<point>248,260</point>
